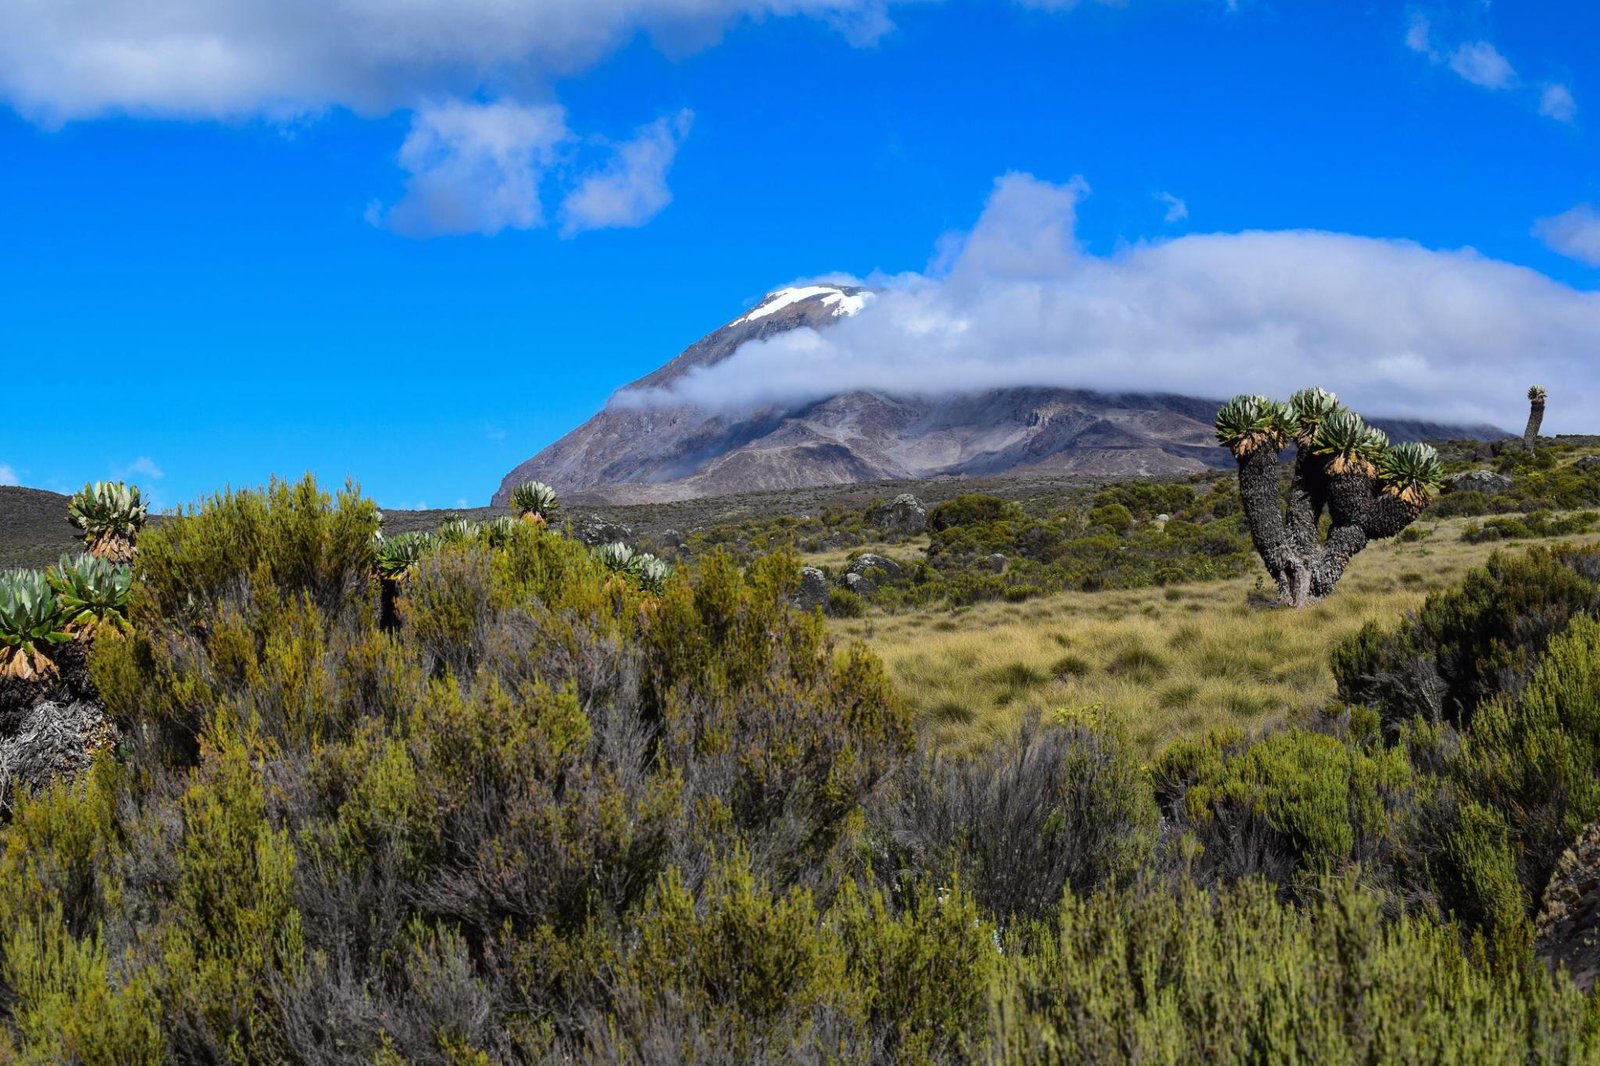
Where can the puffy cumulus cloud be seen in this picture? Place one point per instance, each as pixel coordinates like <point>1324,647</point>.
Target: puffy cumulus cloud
<point>1574,233</point>
<point>232,58</point>
<point>475,168</point>
<point>1395,328</point>
<point>632,188</point>
<point>1556,101</point>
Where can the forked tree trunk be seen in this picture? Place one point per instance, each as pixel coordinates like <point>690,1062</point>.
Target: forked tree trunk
<point>1286,532</point>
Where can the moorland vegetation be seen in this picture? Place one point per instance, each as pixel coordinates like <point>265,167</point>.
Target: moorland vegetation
<point>499,797</point>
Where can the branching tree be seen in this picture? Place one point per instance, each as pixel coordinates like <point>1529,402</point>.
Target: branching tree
<point>1345,469</point>
<point>1530,435</point>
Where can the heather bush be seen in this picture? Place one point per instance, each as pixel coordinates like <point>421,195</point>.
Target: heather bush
<point>538,812</point>
<point>1050,809</point>
<point>1468,643</point>
<point>1237,976</point>
<point>1288,807</point>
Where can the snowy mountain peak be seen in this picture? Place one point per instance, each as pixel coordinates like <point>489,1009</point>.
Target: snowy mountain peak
<point>842,302</point>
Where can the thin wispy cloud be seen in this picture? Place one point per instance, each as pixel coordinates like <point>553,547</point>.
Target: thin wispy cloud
<point>631,189</point>
<point>1480,63</point>
<point>8,475</point>
<point>1394,327</point>
<point>1574,234</point>
<point>144,467</point>
<point>1177,209</point>
<point>1556,101</point>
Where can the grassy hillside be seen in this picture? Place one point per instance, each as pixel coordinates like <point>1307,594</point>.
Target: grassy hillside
<point>1162,661</point>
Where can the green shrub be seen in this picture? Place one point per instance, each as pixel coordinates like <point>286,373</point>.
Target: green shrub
<point>1470,642</point>
<point>1289,804</point>
<point>1240,977</point>
<point>970,509</point>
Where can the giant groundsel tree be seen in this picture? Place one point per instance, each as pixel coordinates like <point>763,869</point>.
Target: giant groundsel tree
<point>1369,488</point>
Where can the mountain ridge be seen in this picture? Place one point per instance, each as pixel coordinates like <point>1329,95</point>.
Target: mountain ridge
<point>642,450</point>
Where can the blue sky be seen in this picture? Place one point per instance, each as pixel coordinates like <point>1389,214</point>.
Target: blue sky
<point>415,263</point>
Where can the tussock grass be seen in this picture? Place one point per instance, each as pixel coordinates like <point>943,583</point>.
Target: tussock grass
<point>1163,662</point>
<point>905,552</point>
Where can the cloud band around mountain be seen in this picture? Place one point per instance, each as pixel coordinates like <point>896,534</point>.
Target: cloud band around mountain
<point>1397,329</point>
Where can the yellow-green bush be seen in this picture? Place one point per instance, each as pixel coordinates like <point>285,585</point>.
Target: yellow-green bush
<point>537,813</point>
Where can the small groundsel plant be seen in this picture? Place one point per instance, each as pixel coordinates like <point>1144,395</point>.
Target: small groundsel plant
<point>91,595</point>
<point>397,556</point>
<point>30,621</point>
<point>618,558</point>
<point>459,530</point>
<point>110,514</point>
<point>534,502</point>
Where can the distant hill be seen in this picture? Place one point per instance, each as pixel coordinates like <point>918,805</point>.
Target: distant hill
<point>638,454</point>
<point>33,527</point>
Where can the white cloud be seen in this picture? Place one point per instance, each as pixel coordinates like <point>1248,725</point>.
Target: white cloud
<point>1555,101</point>
<point>144,466</point>
<point>1478,62</point>
<point>8,476</point>
<point>632,188</point>
<point>234,58</point>
<point>1482,64</point>
<point>1177,209</point>
<point>1419,37</point>
<point>475,168</point>
<point>1574,233</point>
<point>1394,327</point>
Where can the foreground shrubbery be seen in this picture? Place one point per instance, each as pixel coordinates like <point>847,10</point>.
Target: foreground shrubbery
<point>542,810</point>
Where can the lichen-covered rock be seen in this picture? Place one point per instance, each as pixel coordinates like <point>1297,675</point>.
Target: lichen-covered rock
<point>1488,482</point>
<point>865,571</point>
<point>592,530</point>
<point>813,591</point>
<point>1568,928</point>
<point>997,563</point>
<point>902,516</point>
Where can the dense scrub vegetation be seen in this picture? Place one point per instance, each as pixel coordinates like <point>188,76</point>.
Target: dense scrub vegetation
<point>529,808</point>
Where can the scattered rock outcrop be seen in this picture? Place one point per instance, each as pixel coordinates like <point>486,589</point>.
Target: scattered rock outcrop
<point>592,530</point>
<point>813,589</point>
<point>1488,482</point>
<point>866,570</point>
<point>902,516</point>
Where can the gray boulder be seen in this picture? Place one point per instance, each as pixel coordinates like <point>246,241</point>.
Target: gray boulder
<point>904,516</point>
<point>1488,482</point>
<point>997,563</point>
<point>868,569</point>
<point>813,589</point>
<point>591,530</point>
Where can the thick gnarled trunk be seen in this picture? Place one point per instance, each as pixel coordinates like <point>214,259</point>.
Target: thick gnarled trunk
<point>1285,528</point>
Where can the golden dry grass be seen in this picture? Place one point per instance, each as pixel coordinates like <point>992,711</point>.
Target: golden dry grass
<point>906,551</point>
<point>1164,662</point>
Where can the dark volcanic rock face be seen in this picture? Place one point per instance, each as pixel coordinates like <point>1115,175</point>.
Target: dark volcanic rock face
<point>636,454</point>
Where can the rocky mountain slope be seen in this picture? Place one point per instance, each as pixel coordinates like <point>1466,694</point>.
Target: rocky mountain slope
<point>634,453</point>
